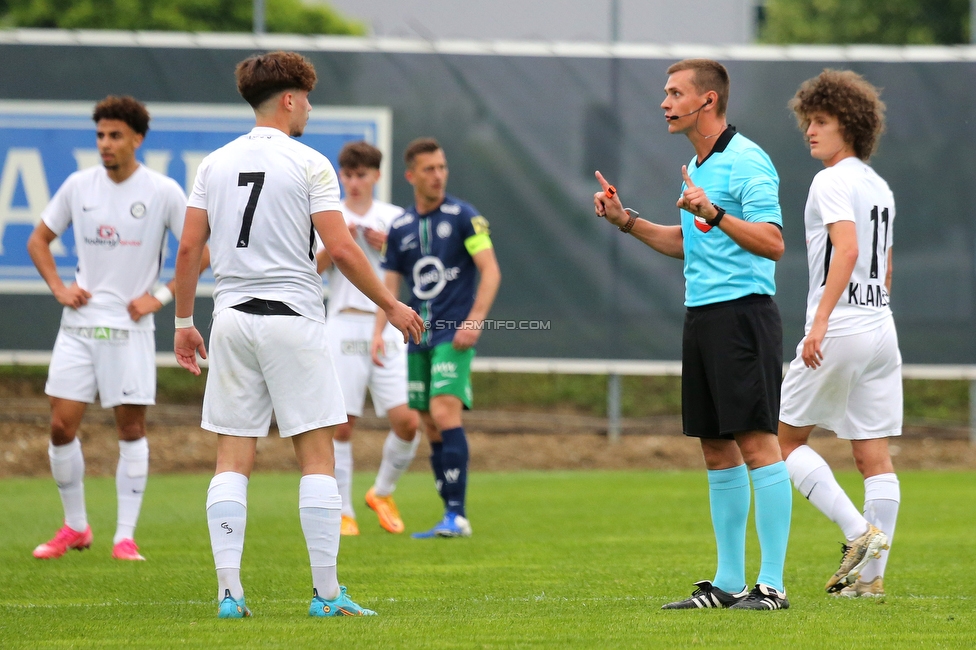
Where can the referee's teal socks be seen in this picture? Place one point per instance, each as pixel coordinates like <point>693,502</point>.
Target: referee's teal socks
<point>728,496</point>
<point>774,507</point>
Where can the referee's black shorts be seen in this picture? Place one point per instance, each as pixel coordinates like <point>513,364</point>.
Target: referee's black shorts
<point>732,368</point>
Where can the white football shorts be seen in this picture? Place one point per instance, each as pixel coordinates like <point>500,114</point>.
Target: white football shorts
<point>118,365</point>
<point>264,363</point>
<point>349,337</point>
<point>856,393</point>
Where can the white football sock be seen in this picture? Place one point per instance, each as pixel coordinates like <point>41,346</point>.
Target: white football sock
<point>882,494</point>
<point>130,484</point>
<point>397,456</point>
<point>343,475</point>
<point>227,519</point>
<point>68,469</point>
<point>812,477</point>
<point>320,510</point>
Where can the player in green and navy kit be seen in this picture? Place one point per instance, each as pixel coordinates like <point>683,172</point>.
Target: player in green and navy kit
<point>441,245</point>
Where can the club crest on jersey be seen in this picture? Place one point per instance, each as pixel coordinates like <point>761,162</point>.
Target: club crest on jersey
<point>138,209</point>
<point>444,229</point>
<point>701,224</point>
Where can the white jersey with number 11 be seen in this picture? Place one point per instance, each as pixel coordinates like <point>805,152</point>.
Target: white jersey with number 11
<point>850,191</point>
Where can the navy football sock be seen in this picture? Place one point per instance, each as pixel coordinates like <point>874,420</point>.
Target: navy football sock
<point>454,458</point>
<point>437,465</point>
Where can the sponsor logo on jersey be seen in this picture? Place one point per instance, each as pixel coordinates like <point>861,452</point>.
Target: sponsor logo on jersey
<point>402,221</point>
<point>444,368</point>
<point>138,209</point>
<point>109,236</point>
<point>701,224</point>
<point>444,229</point>
<point>430,277</point>
<point>409,242</point>
<point>355,348</point>
<point>450,208</point>
<point>480,225</point>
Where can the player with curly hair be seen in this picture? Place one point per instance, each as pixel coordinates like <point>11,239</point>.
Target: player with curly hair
<point>120,212</point>
<point>846,376</point>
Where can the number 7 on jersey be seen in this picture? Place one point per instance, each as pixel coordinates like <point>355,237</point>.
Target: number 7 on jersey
<point>243,180</point>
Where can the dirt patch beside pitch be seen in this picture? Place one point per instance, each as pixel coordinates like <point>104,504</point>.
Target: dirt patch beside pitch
<point>499,441</point>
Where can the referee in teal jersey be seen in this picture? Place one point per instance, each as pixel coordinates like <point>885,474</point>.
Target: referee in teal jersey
<point>732,348</point>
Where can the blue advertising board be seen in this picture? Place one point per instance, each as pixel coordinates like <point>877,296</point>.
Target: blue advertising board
<point>42,143</point>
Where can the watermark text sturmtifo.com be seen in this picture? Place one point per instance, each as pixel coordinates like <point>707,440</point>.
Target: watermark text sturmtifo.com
<point>489,324</point>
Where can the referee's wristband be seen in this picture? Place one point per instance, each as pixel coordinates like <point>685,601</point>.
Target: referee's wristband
<point>184,323</point>
<point>163,295</point>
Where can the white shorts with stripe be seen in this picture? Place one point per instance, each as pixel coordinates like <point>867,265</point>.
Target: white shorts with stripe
<point>856,393</point>
<point>117,365</point>
<point>349,337</point>
<point>264,363</point>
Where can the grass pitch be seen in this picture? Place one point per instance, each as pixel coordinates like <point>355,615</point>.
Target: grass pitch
<point>562,559</point>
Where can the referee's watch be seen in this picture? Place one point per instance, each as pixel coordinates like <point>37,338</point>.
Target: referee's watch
<point>718,217</point>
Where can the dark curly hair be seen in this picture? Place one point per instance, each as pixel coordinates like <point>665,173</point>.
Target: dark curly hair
<point>360,154</point>
<point>126,109</point>
<point>262,76</point>
<point>851,99</point>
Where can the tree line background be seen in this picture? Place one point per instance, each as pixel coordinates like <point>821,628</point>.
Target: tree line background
<point>889,22</point>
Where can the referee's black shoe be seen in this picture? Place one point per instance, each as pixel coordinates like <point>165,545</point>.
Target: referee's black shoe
<point>707,596</point>
<point>763,597</point>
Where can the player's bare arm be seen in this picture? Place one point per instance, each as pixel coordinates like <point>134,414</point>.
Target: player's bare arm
<point>187,340</point>
<point>666,240</point>
<point>352,262</point>
<point>762,239</point>
<point>843,258</point>
<point>377,349</point>
<point>39,248</point>
<point>323,261</point>
<point>148,303</point>
<point>888,273</point>
<point>491,279</point>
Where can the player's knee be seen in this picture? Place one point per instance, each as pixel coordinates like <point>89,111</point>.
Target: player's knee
<point>131,431</point>
<point>62,431</point>
<point>343,432</point>
<point>405,425</point>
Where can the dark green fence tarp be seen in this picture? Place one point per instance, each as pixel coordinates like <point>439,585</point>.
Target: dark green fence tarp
<point>522,136</point>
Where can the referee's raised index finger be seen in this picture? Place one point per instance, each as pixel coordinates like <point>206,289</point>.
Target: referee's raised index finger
<point>684,174</point>
<point>603,182</point>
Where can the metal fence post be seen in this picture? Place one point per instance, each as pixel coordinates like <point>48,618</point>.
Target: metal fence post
<point>613,407</point>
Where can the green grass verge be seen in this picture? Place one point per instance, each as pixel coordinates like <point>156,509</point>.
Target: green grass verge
<point>583,394</point>
<point>562,559</point>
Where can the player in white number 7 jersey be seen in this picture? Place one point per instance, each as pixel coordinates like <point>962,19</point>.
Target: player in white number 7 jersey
<point>846,376</point>
<point>257,200</point>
